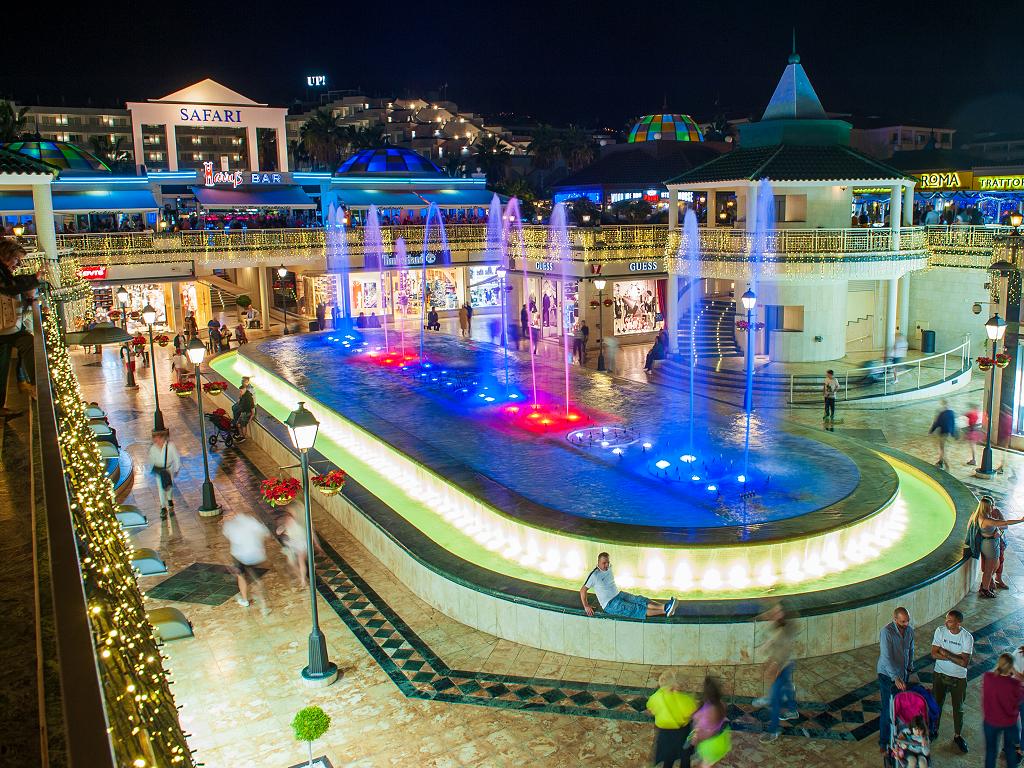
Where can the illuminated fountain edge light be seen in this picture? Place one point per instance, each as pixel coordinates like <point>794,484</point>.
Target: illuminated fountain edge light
<point>480,534</point>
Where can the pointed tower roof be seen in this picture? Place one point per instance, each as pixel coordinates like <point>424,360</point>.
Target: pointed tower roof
<point>794,97</point>
<point>208,92</point>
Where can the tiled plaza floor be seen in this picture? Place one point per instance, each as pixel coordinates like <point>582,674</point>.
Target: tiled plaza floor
<point>419,689</point>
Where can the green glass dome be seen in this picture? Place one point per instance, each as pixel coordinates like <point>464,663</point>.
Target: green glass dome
<point>61,155</point>
<point>665,128</point>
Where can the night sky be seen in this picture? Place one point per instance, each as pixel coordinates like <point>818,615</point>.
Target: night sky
<point>596,64</point>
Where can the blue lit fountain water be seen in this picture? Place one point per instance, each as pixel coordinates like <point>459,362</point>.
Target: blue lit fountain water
<point>558,253</point>
<point>429,253</point>
<point>374,254</point>
<point>337,259</point>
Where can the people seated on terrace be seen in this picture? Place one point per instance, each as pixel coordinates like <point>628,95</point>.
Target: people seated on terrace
<point>616,602</point>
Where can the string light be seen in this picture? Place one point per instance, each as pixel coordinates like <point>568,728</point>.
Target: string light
<point>144,728</point>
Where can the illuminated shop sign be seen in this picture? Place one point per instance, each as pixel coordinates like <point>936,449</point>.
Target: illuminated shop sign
<point>92,273</point>
<point>412,259</point>
<point>945,180</point>
<point>544,266</point>
<point>643,266</point>
<point>316,81</point>
<point>1015,181</point>
<point>212,178</point>
<point>209,115</point>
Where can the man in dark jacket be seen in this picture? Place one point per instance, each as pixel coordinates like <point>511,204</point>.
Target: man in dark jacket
<point>16,293</point>
<point>895,665</point>
<point>945,426</point>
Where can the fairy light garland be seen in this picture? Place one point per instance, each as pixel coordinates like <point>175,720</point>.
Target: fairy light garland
<point>144,727</point>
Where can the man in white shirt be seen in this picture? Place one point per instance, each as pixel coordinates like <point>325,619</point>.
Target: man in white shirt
<point>246,536</point>
<point>952,646</point>
<point>616,602</point>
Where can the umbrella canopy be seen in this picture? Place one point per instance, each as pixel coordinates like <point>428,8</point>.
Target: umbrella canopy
<point>101,333</point>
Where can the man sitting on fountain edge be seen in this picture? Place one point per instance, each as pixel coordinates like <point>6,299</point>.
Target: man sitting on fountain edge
<point>616,602</point>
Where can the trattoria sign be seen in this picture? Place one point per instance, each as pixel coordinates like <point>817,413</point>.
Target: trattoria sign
<point>1011,182</point>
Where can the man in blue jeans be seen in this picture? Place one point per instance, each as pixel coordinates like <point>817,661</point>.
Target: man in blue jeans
<point>895,664</point>
<point>614,600</point>
<point>778,649</point>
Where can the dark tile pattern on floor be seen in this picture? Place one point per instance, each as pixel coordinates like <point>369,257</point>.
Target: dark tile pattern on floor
<point>205,583</point>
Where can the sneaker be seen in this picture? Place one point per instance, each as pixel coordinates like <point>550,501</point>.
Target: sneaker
<point>971,463</point>
<point>961,744</point>
<point>761,703</point>
<point>241,602</point>
<point>1002,585</point>
<point>163,513</point>
<point>768,737</point>
<point>670,606</point>
<point>986,594</point>
<point>938,464</point>
<point>791,715</point>
<point>264,610</point>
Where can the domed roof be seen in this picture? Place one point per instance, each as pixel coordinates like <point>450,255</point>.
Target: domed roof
<point>393,161</point>
<point>665,128</point>
<point>61,155</point>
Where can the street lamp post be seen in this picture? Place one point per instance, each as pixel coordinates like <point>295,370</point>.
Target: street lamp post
<point>196,353</point>
<point>122,300</point>
<point>149,317</point>
<point>502,273</point>
<point>281,273</point>
<point>749,301</point>
<point>600,283</point>
<point>320,671</point>
<point>994,329</point>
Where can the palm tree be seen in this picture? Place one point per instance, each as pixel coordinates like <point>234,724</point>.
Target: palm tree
<point>521,189</point>
<point>544,149</point>
<point>455,165</point>
<point>586,212</point>
<point>577,148</point>
<point>491,156</point>
<point>321,138</point>
<point>635,211</point>
<point>113,153</point>
<point>372,137</point>
<point>12,121</point>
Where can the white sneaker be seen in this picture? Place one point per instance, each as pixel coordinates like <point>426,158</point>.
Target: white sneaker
<point>761,703</point>
<point>241,602</point>
<point>791,715</point>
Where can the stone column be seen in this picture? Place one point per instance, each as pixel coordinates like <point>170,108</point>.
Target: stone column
<point>138,145</point>
<point>892,289</point>
<point>904,305</point>
<point>672,311</point>
<point>177,318</point>
<point>908,205</point>
<point>673,209</point>
<point>750,215</point>
<point>46,232</point>
<point>172,147</point>
<point>253,146</point>
<point>896,214</point>
<point>282,150</point>
<point>263,276</point>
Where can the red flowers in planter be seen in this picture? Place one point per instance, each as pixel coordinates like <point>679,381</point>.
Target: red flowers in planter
<point>330,483</point>
<point>278,491</point>
<point>214,387</point>
<point>743,325</point>
<point>183,388</point>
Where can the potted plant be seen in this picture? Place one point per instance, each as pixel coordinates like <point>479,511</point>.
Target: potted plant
<point>183,388</point>
<point>162,339</point>
<point>985,363</point>
<point>310,724</point>
<point>279,491</point>
<point>1002,360</point>
<point>331,483</point>
<point>214,387</point>
<point>114,314</point>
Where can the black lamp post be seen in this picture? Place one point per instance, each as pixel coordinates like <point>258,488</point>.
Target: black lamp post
<point>320,671</point>
<point>282,273</point>
<point>149,317</point>
<point>600,283</point>
<point>122,300</point>
<point>994,329</point>
<point>196,353</point>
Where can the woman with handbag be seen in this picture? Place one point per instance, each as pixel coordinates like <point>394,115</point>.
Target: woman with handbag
<point>165,462</point>
<point>983,540</point>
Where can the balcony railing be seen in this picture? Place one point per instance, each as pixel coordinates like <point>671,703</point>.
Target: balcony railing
<point>957,245</point>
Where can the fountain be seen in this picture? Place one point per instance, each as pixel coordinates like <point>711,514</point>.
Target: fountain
<point>558,252</point>
<point>374,250</point>
<point>512,236</point>
<point>337,259</point>
<point>402,294</point>
<point>496,252</point>
<point>433,215</point>
<point>691,241</point>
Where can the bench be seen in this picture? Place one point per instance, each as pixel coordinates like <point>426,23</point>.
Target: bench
<point>170,624</point>
<point>148,562</point>
<point>130,516</point>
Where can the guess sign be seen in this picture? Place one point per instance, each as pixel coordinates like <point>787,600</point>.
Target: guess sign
<point>92,273</point>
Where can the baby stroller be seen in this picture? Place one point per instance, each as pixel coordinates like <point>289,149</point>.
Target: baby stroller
<point>222,427</point>
<point>904,707</point>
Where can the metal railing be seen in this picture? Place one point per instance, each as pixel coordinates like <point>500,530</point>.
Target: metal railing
<point>884,379</point>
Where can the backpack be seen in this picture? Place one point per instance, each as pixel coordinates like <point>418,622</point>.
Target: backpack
<point>972,542</point>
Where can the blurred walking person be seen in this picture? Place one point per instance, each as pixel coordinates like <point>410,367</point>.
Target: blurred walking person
<point>247,538</point>
<point>165,463</point>
<point>944,428</point>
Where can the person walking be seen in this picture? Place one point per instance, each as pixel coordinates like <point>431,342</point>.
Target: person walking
<point>711,735</point>
<point>952,646</point>
<point>524,322</point>
<point>828,391</point>
<point>17,292</point>
<point>672,710</point>
<point>180,342</point>
<point>974,421</point>
<point>1001,699</point>
<point>585,333</point>
<point>984,541</point>
<point>469,319</point>
<point>463,321</point>
<point>778,649</point>
<point>247,541</point>
<point>945,427</point>
<point>895,665</point>
<point>291,530</point>
<point>165,463</point>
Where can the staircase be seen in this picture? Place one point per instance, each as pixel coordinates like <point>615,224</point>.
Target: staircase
<point>715,330</point>
<point>220,300</point>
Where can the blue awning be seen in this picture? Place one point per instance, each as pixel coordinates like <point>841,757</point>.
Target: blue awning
<point>461,198</point>
<point>290,196</point>
<point>89,201</point>
<point>382,198</point>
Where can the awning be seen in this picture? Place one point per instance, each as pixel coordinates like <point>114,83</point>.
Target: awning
<point>290,196</point>
<point>460,198</point>
<point>90,201</point>
<point>382,198</point>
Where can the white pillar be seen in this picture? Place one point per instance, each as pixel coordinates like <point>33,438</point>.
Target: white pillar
<point>673,209</point>
<point>138,146</point>
<point>904,305</point>
<point>908,205</point>
<point>892,289</point>
<point>672,311</point>
<point>46,233</point>
<point>177,310</point>
<point>172,147</point>
<point>263,275</point>
<point>253,147</point>
<point>896,214</point>
<point>751,212</point>
<point>282,150</point>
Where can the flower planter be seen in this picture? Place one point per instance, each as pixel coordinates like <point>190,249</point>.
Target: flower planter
<point>163,343</point>
<point>1002,363</point>
<point>214,391</point>
<point>282,501</point>
<point>183,392</point>
<point>331,491</point>
<point>984,366</point>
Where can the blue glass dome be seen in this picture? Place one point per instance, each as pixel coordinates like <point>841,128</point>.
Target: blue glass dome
<point>390,160</point>
<point>60,155</point>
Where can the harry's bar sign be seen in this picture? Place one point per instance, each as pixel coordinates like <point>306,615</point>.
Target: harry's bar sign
<point>212,178</point>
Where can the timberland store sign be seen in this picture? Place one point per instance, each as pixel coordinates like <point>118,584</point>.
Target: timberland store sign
<point>945,180</point>
<point>1011,182</point>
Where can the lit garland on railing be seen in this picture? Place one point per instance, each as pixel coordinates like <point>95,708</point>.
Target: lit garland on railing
<point>144,727</point>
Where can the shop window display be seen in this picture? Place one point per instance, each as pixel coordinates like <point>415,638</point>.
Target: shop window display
<point>444,289</point>
<point>483,287</point>
<point>366,295</point>
<point>635,306</point>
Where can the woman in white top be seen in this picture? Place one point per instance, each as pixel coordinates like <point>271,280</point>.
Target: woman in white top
<point>165,462</point>
<point>180,368</point>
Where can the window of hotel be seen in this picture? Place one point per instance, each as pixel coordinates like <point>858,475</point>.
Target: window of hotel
<point>781,318</point>
<point>794,209</point>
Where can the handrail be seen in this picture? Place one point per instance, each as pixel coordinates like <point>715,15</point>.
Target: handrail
<point>85,717</point>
